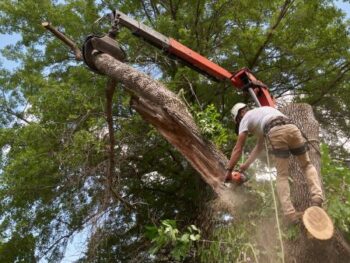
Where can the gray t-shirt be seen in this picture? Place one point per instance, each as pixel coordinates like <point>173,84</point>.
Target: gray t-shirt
<point>255,120</point>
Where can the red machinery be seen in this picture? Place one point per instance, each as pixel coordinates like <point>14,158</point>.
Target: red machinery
<point>243,79</point>
<point>237,177</point>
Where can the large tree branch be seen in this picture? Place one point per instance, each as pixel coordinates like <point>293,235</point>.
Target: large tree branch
<point>164,110</point>
<point>110,88</point>
<point>146,13</point>
<point>70,43</point>
<point>333,84</point>
<point>271,31</point>
<point>15,114</point>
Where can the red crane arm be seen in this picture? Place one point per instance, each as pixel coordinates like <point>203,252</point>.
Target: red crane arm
<point>242,79</point>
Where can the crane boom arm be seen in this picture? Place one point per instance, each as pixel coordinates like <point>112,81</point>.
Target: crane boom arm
<point>242,79</point>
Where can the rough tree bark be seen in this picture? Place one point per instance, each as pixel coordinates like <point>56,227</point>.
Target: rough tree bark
<point>304,249</point>
<point>169,115</point>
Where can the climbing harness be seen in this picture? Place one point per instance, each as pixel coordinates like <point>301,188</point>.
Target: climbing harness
<point>285,153</point>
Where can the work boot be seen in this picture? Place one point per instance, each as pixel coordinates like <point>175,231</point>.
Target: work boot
<point>293,218</point>
<point>316,201</point>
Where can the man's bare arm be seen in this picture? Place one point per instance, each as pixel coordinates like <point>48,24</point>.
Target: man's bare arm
<point>237,150</point>
<point>254,154</point>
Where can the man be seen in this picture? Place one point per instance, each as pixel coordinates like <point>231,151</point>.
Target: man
<point>285,139</point>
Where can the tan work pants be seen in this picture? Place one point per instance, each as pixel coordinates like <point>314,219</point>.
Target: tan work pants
<point>289,137</point>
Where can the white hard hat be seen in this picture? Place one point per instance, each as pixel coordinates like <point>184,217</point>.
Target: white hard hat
<point>236,108</point>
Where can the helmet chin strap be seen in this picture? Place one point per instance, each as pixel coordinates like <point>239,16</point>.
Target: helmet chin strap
<point>240,113</point>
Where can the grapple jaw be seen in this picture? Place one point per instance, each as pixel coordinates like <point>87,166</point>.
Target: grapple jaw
<point>94,45</point>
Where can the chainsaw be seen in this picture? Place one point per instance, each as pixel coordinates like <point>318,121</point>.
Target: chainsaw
<point>237,178</point>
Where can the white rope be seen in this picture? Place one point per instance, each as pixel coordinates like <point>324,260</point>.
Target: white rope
<point>275,204</point>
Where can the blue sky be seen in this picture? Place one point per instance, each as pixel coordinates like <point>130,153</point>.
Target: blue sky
<point>6,39</point>
<point>345,7</point>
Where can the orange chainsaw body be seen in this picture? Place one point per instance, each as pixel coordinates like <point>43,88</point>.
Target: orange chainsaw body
<point>237,178</point>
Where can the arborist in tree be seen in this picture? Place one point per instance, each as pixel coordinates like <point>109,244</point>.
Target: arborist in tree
<point>284,138</point>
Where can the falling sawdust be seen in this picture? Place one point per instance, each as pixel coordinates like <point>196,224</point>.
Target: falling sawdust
<point>231,200</point>
<point>266,240</point>
<point>238,203</point>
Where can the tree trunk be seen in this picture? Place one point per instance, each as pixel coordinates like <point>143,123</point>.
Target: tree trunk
<point>304,249</point>
<point>169,115</point>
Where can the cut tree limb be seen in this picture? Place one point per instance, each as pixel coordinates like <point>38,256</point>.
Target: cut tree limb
<point>70,43</point>
<point>164,110</point>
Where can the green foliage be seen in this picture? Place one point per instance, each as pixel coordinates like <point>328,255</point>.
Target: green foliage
<point>167,234</point>
<point>226,244</point>
<point>10,253</point>
<point>336,178</point>
<point>292,232</point>
<point>211,126</point>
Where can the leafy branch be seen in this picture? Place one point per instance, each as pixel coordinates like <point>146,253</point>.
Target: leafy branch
<point>168,235</point>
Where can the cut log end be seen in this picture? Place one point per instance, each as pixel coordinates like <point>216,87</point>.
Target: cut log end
<point>45,24</point>
<point>318,223</point>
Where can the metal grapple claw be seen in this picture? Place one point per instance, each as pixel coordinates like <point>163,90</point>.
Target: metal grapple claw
<point>94,44</point>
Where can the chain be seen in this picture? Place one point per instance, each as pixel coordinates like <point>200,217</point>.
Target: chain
<point>115,21</point>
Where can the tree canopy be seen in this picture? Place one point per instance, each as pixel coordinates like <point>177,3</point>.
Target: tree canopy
<point>54,133</point>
